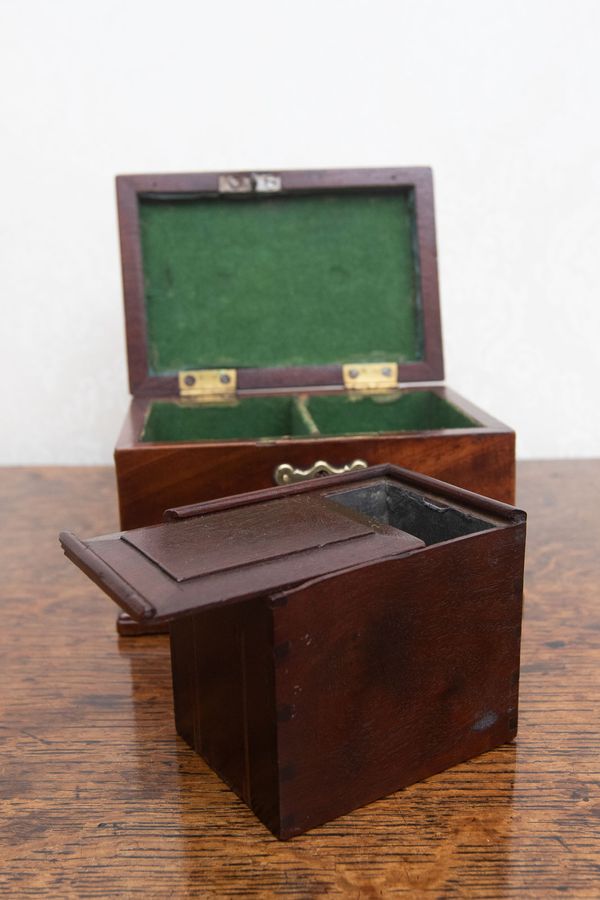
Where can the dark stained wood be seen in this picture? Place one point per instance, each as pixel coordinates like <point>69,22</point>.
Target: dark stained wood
<point>393,676</point>
<point>227,713</point>
<point>154,476</point>
<point>332,485</point>
<point>164,571</point>
<point>245,535</point>
<point>389,649</point>
<point>100,798</point>
<point>133,283</point>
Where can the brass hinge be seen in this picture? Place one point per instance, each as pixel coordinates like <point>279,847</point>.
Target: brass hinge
<point>208,385</point>
<point>370,377</point>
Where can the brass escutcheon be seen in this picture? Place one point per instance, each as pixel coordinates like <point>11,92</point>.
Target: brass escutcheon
<point>287,474</point>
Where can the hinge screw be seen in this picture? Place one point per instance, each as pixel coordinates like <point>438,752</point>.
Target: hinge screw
<point>386,371</point>
<point>189,380</point>
<point>353,373</point>
<point>224,378</point>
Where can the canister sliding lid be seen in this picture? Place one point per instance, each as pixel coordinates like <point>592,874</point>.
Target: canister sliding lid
<point>262,542</point>
<point>165,571</point>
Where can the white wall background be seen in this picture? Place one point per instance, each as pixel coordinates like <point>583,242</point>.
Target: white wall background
<point>500,97</point>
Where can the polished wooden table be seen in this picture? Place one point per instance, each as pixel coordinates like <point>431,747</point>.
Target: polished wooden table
<point>100,797</point>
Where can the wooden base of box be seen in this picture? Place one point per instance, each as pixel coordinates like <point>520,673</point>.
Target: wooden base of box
<point>152,477</point>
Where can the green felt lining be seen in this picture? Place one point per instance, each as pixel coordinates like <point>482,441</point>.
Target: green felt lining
<point>253,418</point>
<point>412,411</point>
<point>249,418</point>
<point>280,281</point>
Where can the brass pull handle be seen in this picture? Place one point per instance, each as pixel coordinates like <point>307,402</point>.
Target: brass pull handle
<point>287,474</point>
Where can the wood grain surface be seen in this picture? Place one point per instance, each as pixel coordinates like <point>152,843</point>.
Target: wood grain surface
<point>153,477</point>
<point>101,798</point>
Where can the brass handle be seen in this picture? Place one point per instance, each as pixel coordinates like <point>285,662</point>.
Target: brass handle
<point>287,474</point>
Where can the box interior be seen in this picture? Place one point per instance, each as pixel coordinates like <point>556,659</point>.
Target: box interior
<point>285,280</point>
<point>431,521</point>
<point>252,418</point>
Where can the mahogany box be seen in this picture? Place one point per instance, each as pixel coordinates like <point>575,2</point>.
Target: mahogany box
<point>286,324</point>
<point>334,640</point>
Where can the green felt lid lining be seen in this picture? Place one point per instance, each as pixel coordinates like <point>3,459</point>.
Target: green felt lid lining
<point>280,281</point>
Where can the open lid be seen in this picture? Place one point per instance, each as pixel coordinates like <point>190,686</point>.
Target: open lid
<point>285,277</point>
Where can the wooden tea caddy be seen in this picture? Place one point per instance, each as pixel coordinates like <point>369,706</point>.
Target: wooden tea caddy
<point>334,640</point>
<point>284,324</point>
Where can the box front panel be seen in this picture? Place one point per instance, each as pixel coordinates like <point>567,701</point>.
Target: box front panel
<point>396,671</point>
<point>154,478</point>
